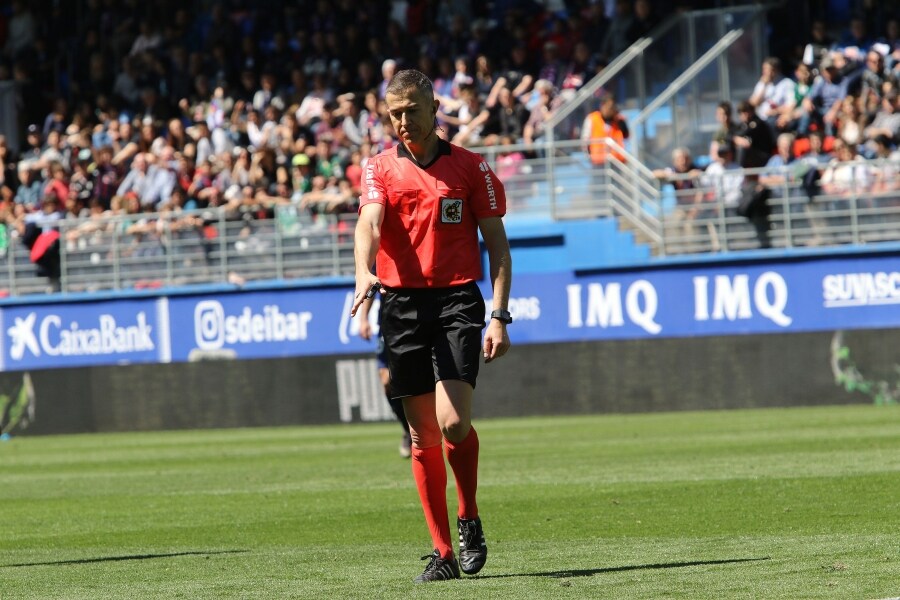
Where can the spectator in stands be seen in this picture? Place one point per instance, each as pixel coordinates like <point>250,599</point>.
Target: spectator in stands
<point>388,68</point>
<point>724,178</point>
<point>823,102</point>
<point>162,178</point>
<point>200,137</point>
<point>604,123</point>
<point>34,145</point>
<point>320,93</point>
<point>510,115</point>
<point>470,118</point>
<point>850,122</point>
<point>819,44</point>
<point>55,150</point>
<point>775,173</point>
<point>887,173</point>
<point>552,67</point>
<point>753,138</point>
<point>773,92</point>
<point>301,174</point>
<point>328,195</point>
<point>137,181</point>
<point>683,176</point>
<point>81,184</point>
<point>57,119</point>
<point>873,78</point>
<point>30,192</point>
<point>846,174</point>
<point>887,120</point>
<point>353,120</point>
<point>726,131</point>
<point>816,156</point>
<point>57,186</point>
<point>541,113</point>
<point>789,115</point>
<point>518,71</point>
<point>485,76</point>
<point>579,70</point>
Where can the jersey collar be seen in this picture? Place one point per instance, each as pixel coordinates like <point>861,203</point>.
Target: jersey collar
<point>443,150</point>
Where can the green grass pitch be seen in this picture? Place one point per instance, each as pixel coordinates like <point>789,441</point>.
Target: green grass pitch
<point>787,503</point>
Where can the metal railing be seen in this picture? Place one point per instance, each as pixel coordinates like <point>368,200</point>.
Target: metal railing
<point>855,203</point>
<point>851,203</point>
<point>151,250</point>
<point>650,66</point>
<point>685,109</point>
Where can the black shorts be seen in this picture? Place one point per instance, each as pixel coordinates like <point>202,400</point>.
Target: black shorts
<point>430,335</point>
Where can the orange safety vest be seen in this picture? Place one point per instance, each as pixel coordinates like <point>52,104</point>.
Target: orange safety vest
<point>600,130</point>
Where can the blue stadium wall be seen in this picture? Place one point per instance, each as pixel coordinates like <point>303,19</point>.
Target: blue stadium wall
<point>600,326</point>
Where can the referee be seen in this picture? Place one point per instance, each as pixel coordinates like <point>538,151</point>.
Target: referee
<point>422,204</point>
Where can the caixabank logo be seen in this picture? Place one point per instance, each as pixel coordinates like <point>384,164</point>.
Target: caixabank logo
<point>50,335</point>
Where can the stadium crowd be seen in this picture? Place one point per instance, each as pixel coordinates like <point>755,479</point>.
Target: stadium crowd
<point>167,106</point>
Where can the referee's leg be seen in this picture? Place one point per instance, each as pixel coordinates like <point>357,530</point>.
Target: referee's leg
<point>454,414</point>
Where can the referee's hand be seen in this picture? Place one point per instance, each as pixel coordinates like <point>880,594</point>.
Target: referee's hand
<point>496,340</point>
<point>365,291</point>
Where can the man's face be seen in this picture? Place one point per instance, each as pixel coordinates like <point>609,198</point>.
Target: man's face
<point>815,143</point>
<point>609,110</point>
<point>874,62</point>
<point>412,115</point>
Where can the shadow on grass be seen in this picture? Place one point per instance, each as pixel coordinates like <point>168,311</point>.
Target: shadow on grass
<point>84,561</point>
<point>592,572</point>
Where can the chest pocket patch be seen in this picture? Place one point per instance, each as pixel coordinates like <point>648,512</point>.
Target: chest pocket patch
<point>451,210</point>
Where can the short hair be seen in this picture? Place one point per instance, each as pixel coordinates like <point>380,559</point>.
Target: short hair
<point>683,150</point>
<point>389,63</point>
<point>725,105</point>
<point>786,136</point>
<point>410,79</point>
<point>744,106</point>
<point>774,62</point>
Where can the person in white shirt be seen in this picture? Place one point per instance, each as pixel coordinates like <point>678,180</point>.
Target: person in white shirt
<point>773,91</point>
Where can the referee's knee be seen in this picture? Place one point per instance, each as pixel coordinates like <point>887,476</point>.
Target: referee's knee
<point>456,430</point>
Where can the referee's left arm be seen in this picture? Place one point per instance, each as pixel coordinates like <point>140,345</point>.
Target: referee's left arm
<point>367,238</point>
<point>496,339</point>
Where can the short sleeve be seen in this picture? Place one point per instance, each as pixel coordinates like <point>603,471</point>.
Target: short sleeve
<point>488,194</point>
<point>371,187</point>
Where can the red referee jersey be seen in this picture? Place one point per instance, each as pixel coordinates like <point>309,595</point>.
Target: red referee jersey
<point>429,237</point>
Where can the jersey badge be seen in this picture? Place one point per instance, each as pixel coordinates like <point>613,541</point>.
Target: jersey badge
<point>451,210</point>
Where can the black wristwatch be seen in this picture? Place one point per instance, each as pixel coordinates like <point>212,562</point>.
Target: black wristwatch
<point>502,315</point>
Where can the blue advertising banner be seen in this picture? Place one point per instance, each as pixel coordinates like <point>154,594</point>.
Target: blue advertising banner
<point>292,322</point>
<point>728,300</point>
<point>697,300</point>
<point>84,334</point>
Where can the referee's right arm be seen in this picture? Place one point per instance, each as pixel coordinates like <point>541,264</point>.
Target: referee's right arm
<point>367,238</point>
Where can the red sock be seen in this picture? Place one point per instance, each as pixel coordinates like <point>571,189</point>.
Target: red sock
<point>463,459</point>
<point>430,474</point>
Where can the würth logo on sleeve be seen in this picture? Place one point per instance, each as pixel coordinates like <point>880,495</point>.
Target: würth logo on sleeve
<point>489,185</point>
<point>370,181</point>
<point>451,210</point>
